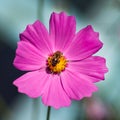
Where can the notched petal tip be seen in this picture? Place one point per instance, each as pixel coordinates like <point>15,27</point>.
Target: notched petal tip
<point>86,43</point>
<point>14,64</point>
<point>55,105</point>
<point>104,62</point>
<point>89,28</point>
<point>94,35</point>
<point>31,84</point>
<point>22,34</point>
<point>60,14</point>
<point>62,28</point>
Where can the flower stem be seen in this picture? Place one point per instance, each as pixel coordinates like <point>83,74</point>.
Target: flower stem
<point>48,113</point>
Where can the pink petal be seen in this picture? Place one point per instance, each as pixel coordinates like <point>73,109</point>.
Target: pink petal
<point>38,36</point>
<point>32,83</point>
<point>85,44</point>
<point>76,85</point>
<point>62,30</point>
<point>28,57</point>
<point>54,94</point>
<point>93,67</point>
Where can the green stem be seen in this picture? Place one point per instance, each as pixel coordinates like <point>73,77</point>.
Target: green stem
<point>48,113</point>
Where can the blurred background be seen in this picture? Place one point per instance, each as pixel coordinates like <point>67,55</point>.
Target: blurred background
<point>103,15</point>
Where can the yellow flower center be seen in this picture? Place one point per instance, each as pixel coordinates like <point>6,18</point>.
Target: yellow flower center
<point>56,62</point>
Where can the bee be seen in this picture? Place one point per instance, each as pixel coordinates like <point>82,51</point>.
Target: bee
<point>55,58</point>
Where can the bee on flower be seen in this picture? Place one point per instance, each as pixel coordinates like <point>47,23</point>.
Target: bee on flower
<point>60,63</point>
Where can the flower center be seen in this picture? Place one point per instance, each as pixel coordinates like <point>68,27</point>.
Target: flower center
<point>56,62</point>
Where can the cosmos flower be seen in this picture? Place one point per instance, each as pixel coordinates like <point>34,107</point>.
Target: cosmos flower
<point>60,63</point>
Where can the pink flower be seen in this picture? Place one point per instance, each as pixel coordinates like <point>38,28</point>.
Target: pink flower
<point>60,63</point>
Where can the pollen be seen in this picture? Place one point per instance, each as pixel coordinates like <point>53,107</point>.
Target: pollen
<point>56,62</point>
